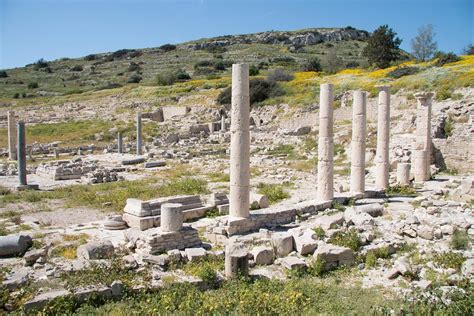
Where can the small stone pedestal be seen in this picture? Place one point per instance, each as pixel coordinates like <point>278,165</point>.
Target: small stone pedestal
<point>236,260</point>
<point>403,173</point>
<point>171,217</point>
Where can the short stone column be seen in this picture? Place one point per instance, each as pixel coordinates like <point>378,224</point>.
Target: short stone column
<point>359,122</point>
<point>56,152</point>
<point>223,123</point>
<point>12,135</point>
<point>403,173</point>
<point>423,131</point>
<point>326,144</point>
<point>383,139</point>
<point>240,142</point>
<point>171,219</point>
<point>119,143</point>
<point>21,151</point>
<point>236,260</point>
<point>139,134</point>
<point>419,165</point>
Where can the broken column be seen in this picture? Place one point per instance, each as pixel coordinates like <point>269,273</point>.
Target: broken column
<point>423,137</point>
<point>12,153</point>
<point>139,133</point>
<point>171,217</point>
<point>21,151</point>
<point>223,123</point>
<point>236,260</point>
<point>119,143</point>
<point>403,173</point>
<point>326,144</point>
<point>383,138</point>
<point>358,142</point>
<point>240,142</point>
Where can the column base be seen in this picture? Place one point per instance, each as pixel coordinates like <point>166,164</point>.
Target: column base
<point>25,187</point>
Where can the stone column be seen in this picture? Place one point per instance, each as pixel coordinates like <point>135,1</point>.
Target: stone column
<point>56,152</point>
<point>223,123</point>
<point>359,122</point>
<point>12,134</point>
<point>119,143</point>
<point>236,260</point>
<point>419,165</point>
<point>240,142</point>
<point>171,219</point>
<point>383,139</point>
<point>403,173</point>
<point>326,144</point>
<point>139,133</point>
<point>423,131</point>
<point>21,151</point>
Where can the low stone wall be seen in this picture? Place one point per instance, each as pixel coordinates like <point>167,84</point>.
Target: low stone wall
<point>154,241</point>
<point>455,153</point>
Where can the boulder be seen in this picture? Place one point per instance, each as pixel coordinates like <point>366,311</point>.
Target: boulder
<point>96,250</point>
<point>373,210</point>
<point>292,262</point>
<point>117,288</point>
<point>467,267</point>
<point>282,244</point>
<point>425,232</point>
<point>32,256</point>
<point>354,217</point>
<point>305,243</point>
<point>194,253</point>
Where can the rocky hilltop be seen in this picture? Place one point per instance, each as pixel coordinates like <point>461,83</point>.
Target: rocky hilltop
<point>291,38</point>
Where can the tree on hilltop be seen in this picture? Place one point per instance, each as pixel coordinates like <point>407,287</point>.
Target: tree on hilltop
<point>382,47</point>
<point>424,46</point>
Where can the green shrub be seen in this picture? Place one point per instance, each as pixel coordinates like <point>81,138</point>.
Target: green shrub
<point>33,85</point>
<point>443,58</point>
<point>403,190</point>
<point>135,78</point>
<point>349,239</point>
<point>312,64</point>
<point>41,63</point>
<point>275,192</point>
<point>77,68</point>
<point>317,267</point>
<point>448,127</point>
<point>253,70</point>
<point>374,254</point>
<point>260,90</point>
<point>443,93</point>
<point>166,78</point>
<point>167,47</point>
<point>320,233</point>
<point>460,240</point>
<point>279,74</point>
<point>3,74</point>
<point>449,259</point>
<point>182,75</point>
<point>133,67</point>
<point>370,260</point>
<point>90,57</point>
<point>403,71</point>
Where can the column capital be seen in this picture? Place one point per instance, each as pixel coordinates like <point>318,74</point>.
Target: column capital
<point>383,87</point>
<point>424,95</point>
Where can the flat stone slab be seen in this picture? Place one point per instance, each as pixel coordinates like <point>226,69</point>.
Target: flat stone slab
<point>292,263</point>
<point>134,161</point>
<point>154,164</point>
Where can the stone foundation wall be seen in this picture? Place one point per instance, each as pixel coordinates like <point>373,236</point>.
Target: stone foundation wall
<point>155,241</point>
<point>455,153</point>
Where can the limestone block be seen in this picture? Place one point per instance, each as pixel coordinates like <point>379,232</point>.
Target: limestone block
<point>292,263</point>
<point>334,256</point>
<point>137,207</point>
<point>305,243</point>
<point>142,223</point>
<point>154,164</point>
<point>96,250</point>
<point>263,255</point>
<point>282,244</point>
<point>194,253</point>
<point>40,301</point>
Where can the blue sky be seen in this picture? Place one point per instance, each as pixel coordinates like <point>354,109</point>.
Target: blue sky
<point>51,29</point>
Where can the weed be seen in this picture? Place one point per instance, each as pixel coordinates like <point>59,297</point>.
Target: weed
<point>274,192</point>
<point>449,259</point>
<point>320,233</point>
<point>401,190</point>
<point>349,239</point>
<point>460,240</point>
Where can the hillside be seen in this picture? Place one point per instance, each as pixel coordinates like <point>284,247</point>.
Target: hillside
<point>201,58</point>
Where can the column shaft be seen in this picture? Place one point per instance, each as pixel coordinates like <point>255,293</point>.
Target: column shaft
<point>12,135</point>
<point>423,135</point>
<point>326,144</point>
<point>359,121</point>
<point>21,150</point>
<point>383,139</point>
<point>240,142</point>
<point>119,143</point>
<point>139,134</point>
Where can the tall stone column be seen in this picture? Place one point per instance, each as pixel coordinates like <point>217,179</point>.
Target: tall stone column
<point>423,134</point>
<point>119,143</point>
<point>21,150</point>
<point>240,142</point>
<point>359,121</point>
<point>139,134</point>
<point>383,139</point>
<point>326,144</point>
<point>12,134</point>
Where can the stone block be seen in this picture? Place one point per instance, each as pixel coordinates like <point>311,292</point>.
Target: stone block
<point>96,250</point>
<point>263,255</point>
<point>142,223</point>
<point>282,244</point>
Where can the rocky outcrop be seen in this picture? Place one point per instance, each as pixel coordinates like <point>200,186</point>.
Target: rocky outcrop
<point>293,39</point>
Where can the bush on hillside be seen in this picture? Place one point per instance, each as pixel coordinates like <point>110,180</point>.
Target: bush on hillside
<point>90,57</point>
<point>253,70</point>
<point>312,64</point>
<point>279,74</point>
<point>167,47</point>
<point>403,71</point>
<point>33,85</point>
<point>469,50</point>
<point>77,68</point>
<point>169,77</point>
<point>134,67</point>
<point>283,61</point>
<point>182,75</point>
<point>135,78</point>
<point>352,64</point>
<point>41,63</point>
<point>260,90</point>
<point>443,58</point>
<point>3,74</point>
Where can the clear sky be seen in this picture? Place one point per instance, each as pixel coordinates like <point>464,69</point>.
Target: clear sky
<point>51,29</point>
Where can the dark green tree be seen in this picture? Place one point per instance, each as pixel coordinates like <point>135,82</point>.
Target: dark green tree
<point>382,47</point>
